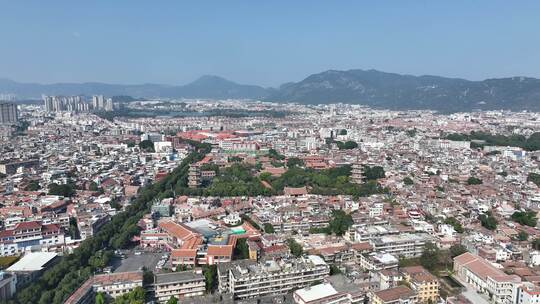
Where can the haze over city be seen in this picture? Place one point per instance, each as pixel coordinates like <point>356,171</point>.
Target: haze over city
<point>266,44</point>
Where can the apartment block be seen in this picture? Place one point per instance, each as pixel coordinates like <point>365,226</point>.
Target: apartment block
<point>180,285</point>
<point>248,279</point>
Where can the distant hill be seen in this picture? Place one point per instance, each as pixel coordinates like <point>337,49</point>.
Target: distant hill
<point>395,91</point>
<point>368,87</point>
<point>213,87</point>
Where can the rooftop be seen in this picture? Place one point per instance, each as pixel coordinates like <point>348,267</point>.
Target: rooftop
<point>33,261</point>
<point>177,277</point>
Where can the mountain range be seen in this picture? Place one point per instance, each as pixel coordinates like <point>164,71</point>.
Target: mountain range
<point>368,87</point>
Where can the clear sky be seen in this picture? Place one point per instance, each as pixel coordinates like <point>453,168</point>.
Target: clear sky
<point>264,42</point>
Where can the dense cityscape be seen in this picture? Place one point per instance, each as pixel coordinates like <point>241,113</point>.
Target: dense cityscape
<point>202,201</point>
<point>270,152</point>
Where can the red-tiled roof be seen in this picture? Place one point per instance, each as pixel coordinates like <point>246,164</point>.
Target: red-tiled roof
<point>220,250</point>
<point>28,225</point>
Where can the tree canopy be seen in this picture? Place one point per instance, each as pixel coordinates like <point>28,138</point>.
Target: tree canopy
<point>348,145</point>
<point>172,300</point>
<point>408,181</point>
<point>133,297</point>
<point>210,277</point>
<point>488,221</point>
<point>241,250</point>
<point>454,223</point>
<point>430,258</point>
<point>273,153</point>
<point>294,161</point>
<point>147,145</point>
<point>373,173</point>
<point>296,249</point>
<point>456,250</point>
<point>474,181</point>
<point>531,143</point>
<point>340,222</point>
<point>527,218</point>
<point>66,190</point>
<point>534,177</point>
<point>268,228</point>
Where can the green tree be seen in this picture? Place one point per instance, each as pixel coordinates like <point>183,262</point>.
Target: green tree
<point>241,250</point>
<point>454,223</point>
<point>527,218</point>
<point>210,277</point>
<point>296,249</point>
<point>100,298</point>
<point>234,159</point>
<point>33,186</point>
<point>172,300</point>
<point>340,222</point>
<point>265,176</point>
<point>373,173</point>
<point>136,296</point>
<point>523,236</point>
<point>147,145</point>
<point>148,276</point>
<point>73,230</point>
<point>430,257</point>
<point>488,221</point>
<point>272,153</point>
<point>294,161</point>
<point>93,187</point>
<point>66,190</point>
<point>534,177</point>
<point>474,181</point>
<point>456,250</point>
<point>334,269</point>
<point>348,145</point>
<point>268,228</point>
<point>408,181</point>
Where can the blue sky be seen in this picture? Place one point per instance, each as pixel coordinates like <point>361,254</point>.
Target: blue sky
<point>264,42</point>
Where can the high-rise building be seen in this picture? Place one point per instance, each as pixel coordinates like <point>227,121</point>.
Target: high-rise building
<point>65,103</point>
<point>8,113</point>
<point>98,102</point>
<point>109,106</point>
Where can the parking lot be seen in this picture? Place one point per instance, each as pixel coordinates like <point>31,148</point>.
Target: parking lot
<point>134,262</point>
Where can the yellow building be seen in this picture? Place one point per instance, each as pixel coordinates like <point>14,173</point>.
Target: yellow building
<point>423,282</point>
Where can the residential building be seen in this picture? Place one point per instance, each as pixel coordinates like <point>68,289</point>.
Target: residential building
<point>180,285</point>
<point>396,295</point>
<point>406,244</point>
<point>27,235</point>
<point>117,284</point>
<point>423,282</point>
<point>8,113</point>
<point>249,279</point>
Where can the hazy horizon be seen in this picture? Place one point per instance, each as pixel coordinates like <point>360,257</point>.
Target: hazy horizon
<point>266,44</point>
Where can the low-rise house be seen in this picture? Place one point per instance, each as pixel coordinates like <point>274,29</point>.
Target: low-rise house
<point>396,295</point>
